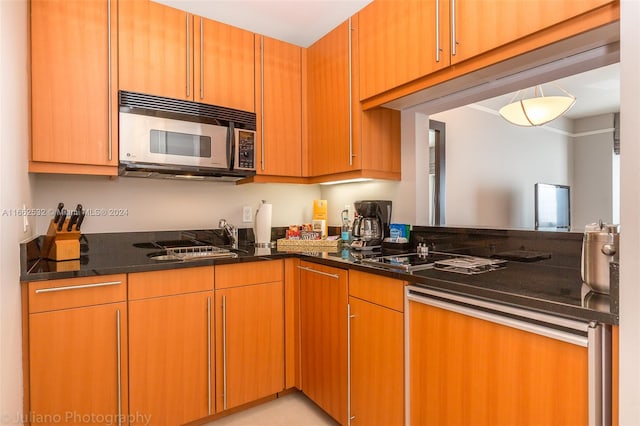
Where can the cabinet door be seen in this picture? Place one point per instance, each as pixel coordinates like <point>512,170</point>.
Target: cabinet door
<point>329,104</point>
<point>223,58</point>
<point>72,60</point>
<point>170,357</point>
<point>280,118</point>
<point>482,25</point>
<point>398,42</point>
<point>78,363</point>
<point>249,343</point>
<point>323,330</point>
<point>155,49</point>
<point>465,370</point>
<point>377,364</point>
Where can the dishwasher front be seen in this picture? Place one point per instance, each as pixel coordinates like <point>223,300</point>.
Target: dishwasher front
<point>474,361</point>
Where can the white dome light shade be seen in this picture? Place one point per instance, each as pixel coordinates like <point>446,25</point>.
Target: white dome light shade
<point>537,110</point>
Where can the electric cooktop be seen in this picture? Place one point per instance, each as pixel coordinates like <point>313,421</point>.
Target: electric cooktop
<point>444,261</point>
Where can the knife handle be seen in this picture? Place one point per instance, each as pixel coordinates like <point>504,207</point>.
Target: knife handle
<point>56,217</point>
<point>72,220</point>
<point>80,218</point>
<point>63,217</point>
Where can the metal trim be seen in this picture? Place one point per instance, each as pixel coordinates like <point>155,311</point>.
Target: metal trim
<point>224,352</point>
<point>580,326</point>
<point>209,354</point>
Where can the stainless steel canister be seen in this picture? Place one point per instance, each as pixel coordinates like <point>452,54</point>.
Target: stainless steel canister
<point>599,248</point>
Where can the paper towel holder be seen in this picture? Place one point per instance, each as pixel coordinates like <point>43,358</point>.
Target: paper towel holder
<point>263,221</point>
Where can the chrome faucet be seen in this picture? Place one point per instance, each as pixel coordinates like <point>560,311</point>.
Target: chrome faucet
<point>231,231</point>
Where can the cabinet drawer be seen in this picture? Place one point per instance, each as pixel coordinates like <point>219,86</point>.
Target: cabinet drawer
<point>143,285</point>
<point>249,273</point>
<point>71,293</point>
<point>383,291</point>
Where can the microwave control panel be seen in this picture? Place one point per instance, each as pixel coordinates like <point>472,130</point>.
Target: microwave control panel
<point>246,154</point>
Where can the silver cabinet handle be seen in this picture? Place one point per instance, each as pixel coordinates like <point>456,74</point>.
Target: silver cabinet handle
<point>77,287</point>
<point>304,268</point>
<point>262,99</point>
<point>119,365</point>
<point>224,352</point>
<point>438,31</point>
<point>188,56</point>
<point>350,100</point>
<point>453,28</point>
<point>349,318</point>
<point>110,102</point>
<point>599,366</point>
<point>209,352</point>
<point>201,58</point>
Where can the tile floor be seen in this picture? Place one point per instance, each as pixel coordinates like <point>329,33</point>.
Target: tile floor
<point>293,409</point>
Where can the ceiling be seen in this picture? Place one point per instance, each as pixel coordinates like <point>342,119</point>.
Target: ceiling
<point>596,91</point>
<point>300,22</point>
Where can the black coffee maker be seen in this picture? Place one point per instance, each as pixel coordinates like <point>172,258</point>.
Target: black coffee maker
<point>371,224</point>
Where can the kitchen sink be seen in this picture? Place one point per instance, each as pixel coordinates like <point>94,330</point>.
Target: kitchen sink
<point>192,253</point>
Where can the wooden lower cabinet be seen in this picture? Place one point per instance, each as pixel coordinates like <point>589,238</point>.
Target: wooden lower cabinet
<point>249,332</point>
<point>171,345</point>
<point>468,371</point>
<point>377,364</point>
<point>323,328</point>
<point>77,351</point>
<point>376,308</point>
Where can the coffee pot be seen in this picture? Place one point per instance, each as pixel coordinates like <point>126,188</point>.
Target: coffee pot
<point>368,229</point>
<point>371,223</point>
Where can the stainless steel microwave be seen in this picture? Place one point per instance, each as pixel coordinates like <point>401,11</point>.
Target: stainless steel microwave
<point>172,138</point>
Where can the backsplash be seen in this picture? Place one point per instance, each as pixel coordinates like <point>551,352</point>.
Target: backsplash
<point>132,204</point>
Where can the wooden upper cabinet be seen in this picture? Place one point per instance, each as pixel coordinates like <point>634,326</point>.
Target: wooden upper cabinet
<point>343,141</point>
<point>403,44</point>
<point>279,108</point>
<point>398,42</point>
<point>73,85</point>
<point>156,49</point>
<point>168,52</point>
<point>482,25</point>
<point>329,104</point>
<point>223,58</point>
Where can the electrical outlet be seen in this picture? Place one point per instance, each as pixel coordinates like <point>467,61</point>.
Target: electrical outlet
<point>247,214</point>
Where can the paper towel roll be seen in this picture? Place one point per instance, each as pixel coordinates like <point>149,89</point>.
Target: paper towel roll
<point>263,224</point>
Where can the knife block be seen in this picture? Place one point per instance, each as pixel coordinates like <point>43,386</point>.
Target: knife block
<point>61,245</point>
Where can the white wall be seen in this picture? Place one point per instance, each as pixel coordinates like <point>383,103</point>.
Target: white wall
<point>157,204</point>
<point>629,217</point>
<point>592,189</point>
<point>14,192</point>
<point>492,167</point>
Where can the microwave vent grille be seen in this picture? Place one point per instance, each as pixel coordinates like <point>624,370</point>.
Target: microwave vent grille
<point>132,101</point>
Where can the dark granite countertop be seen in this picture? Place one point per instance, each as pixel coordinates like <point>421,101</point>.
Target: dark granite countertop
<point>548,285</point>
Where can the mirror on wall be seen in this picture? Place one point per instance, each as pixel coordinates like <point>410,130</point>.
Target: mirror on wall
<point>491,167</point>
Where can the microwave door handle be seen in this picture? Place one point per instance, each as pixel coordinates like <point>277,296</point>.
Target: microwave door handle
<point>231,146</point>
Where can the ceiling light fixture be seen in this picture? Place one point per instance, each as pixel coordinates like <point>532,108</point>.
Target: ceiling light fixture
<point>537,109</point>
